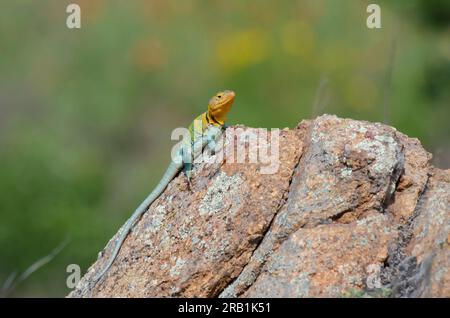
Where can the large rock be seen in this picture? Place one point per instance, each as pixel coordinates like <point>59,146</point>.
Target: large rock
<point>353,209</point>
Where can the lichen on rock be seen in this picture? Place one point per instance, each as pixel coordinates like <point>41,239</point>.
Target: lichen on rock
<point>354,210</point>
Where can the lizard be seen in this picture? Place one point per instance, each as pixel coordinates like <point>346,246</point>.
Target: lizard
<point>204,131</point>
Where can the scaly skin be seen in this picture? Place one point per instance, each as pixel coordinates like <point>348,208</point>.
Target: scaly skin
<point>204,131</point>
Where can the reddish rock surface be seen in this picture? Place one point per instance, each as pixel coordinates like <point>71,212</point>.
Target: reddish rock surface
<point>354,209</point>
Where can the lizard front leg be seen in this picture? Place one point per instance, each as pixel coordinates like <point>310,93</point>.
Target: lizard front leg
<point>186,158</point>
<point>212,136</point>
<point>191,151</point>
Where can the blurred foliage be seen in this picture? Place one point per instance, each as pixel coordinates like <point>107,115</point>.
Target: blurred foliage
<point>435,13</point>
<point>86,115</point>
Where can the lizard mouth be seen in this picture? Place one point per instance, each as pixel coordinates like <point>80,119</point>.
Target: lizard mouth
<point>228,101</point>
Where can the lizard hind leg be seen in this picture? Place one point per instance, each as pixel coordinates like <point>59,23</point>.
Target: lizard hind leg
<point>187,168</point>
<point>186,156</point>
<point>212,146</point>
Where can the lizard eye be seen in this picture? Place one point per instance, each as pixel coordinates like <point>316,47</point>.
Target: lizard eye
<point>219,96</point>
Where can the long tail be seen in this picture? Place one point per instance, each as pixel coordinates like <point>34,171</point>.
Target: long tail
<point>170,173</point>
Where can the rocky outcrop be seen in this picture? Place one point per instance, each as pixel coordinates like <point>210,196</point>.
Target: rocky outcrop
<point>353,209</point>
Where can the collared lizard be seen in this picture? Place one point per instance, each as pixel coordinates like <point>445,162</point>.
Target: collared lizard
<point>204,131</point>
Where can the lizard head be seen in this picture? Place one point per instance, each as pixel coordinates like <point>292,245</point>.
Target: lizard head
<point>219,106</point>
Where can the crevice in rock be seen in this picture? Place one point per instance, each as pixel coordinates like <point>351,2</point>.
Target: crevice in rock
<point>397,173</point>
<point>335,218</point>
<point>401,272</point>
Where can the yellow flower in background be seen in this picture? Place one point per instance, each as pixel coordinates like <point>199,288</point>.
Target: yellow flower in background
<point>241,49</point>
<point>298,39</point>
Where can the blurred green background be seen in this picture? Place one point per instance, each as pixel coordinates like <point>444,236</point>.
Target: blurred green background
<point>86,115</point>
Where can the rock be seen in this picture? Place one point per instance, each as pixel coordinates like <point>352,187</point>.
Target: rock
<point>352,208</point>
<point>428,248</point>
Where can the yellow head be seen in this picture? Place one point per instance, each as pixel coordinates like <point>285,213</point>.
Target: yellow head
<point>220,105</point>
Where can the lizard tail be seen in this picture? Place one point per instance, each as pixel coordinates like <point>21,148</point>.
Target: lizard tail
<point>170,173</point>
